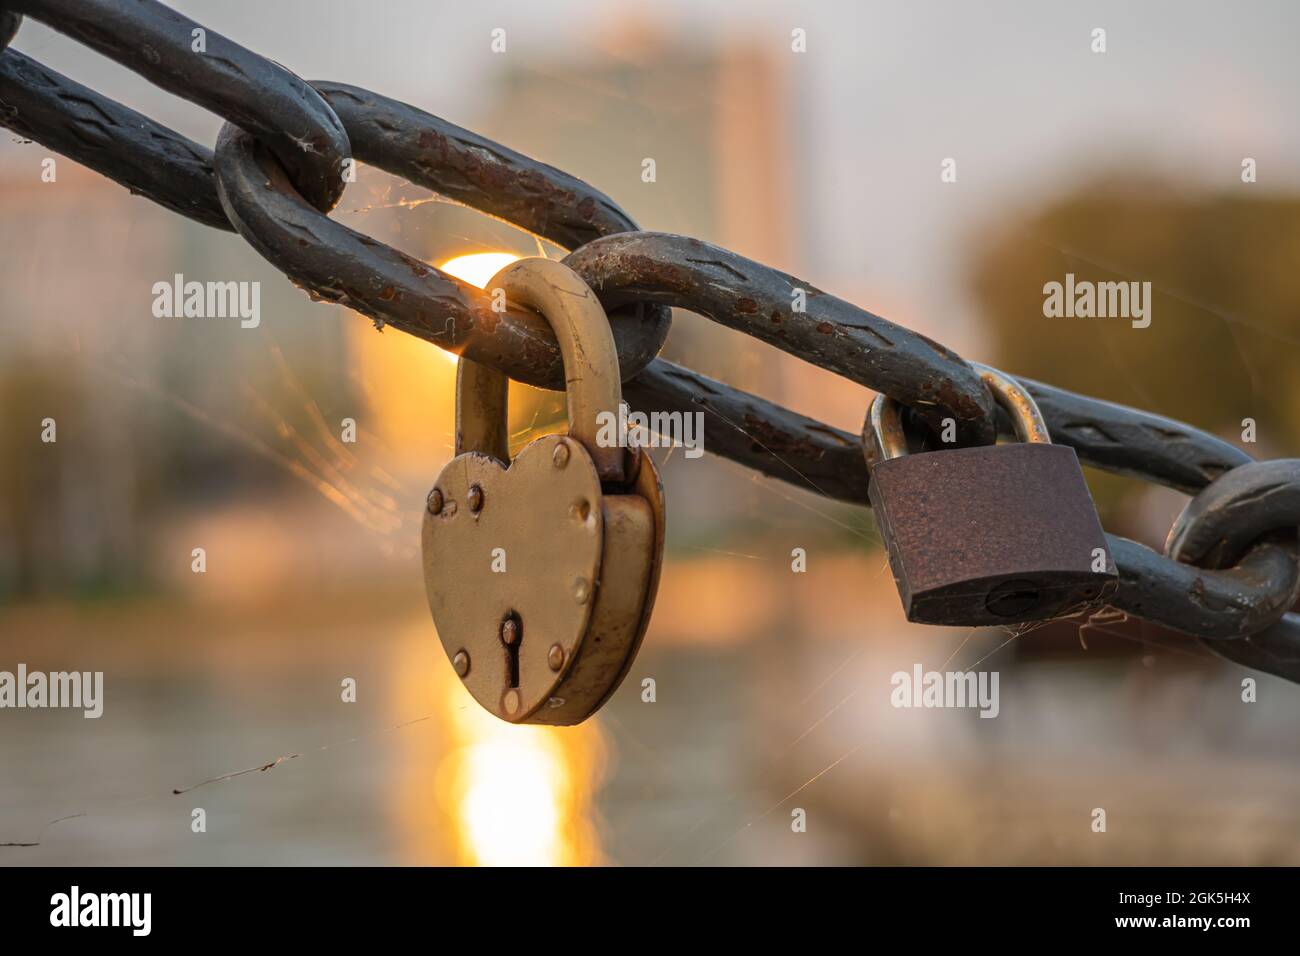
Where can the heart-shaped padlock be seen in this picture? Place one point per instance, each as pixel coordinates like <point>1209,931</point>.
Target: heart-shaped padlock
<point>541,572</point>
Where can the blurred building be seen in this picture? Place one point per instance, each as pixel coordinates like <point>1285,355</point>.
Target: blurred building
<point>151,414</point>
<point>70,510</point>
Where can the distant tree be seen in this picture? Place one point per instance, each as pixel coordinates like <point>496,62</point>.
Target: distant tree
<point>1224,340</point>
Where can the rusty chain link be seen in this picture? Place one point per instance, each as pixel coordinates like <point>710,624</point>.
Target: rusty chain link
<point>1229,575</point>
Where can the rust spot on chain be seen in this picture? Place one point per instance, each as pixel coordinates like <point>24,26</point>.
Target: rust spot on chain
<point>778,441</point>
<point>488,319</point>
<point>656,274</point>
<point>959,402</point>
<point>746,306</point>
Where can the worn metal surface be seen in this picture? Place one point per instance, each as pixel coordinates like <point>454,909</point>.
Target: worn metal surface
<point>1256,502</point>
<point>146,157</point>
<point>1274,650</point>
<point>482,410</point>
<point>543,630</point>
<point>884,435</point>
<point>342,265</point>
<point>757,433</point>
<point>581,573</point>
<point>644,485</point>
<point>247,89</point>
<point>758,300</point>
<point>1221,604</point>
<point>1129,441</point>
<point>1230,573</point>
<point>305,145</point>
<point>991,535</point>
<point>590,362</point>
<point>551,560</point>
<point>472,169</point>
<point>1218,525</point>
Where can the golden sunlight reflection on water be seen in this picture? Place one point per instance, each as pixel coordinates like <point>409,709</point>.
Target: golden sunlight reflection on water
<point>522,795</point>
<point>506,795</point>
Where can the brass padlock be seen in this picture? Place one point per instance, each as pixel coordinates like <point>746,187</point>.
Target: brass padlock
<point>991,535</point>
<point>541,572</point>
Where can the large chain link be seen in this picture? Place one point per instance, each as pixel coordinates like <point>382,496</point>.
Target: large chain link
<point>1229,575</point>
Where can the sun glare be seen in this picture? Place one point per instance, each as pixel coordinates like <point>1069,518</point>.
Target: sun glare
<point>520,795</point>
<point>477,268</point>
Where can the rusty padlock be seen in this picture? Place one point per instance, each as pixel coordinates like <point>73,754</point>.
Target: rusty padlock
<point>541,571</point>
<point>992,535</point>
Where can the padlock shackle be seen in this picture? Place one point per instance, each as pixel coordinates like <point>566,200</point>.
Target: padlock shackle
<point>1016,401</point>
<point>591,371</point>
<point>886,438</point>
<point>482,405</point>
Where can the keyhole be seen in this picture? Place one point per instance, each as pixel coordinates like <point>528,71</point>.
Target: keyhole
<point>512,636</point>
<point>1012,598</point>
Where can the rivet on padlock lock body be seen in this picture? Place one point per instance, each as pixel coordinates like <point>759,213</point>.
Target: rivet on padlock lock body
<point>580,527</point>
<point>992,535</point>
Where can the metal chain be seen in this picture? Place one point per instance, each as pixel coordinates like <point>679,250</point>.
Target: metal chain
<point>1229,575</point>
